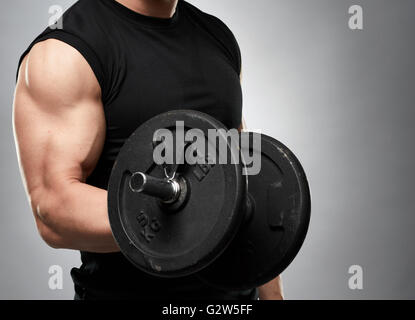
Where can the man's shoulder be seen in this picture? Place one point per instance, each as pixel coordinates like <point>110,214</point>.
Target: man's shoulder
<point>208,20</point>
<point>81,27</point>
<point>56,73</point>
<point>217,29</point>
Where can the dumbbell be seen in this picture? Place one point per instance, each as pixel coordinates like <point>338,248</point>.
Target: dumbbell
<point>231,230</point>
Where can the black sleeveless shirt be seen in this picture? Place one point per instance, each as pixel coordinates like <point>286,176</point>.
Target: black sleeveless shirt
<point>146,66</point>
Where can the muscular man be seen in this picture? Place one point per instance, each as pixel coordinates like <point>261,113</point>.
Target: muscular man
<point>81,92</point>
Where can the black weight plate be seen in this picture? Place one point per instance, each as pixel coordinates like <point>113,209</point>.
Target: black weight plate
<point>269,238</point>
<point>172,244</point>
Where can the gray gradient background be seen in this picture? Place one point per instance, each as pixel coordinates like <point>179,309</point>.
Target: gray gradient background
<point>342,100</point>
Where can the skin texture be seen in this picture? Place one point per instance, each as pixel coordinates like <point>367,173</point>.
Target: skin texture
<point>60,130</point>
<point>152,8</point>
<point>59,127</point>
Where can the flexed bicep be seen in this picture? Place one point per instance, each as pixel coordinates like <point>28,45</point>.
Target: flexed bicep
<point>59,128</point>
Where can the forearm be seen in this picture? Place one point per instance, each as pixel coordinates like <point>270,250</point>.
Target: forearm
<point>74,216</point>
<point>272,290</point>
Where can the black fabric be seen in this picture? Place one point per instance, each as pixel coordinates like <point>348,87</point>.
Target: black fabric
<point>146,66</point>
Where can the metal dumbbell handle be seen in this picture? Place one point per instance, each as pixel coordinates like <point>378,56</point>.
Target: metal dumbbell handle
<point>166,190</point>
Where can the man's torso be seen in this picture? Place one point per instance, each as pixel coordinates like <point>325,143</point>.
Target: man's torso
<point>146,66</point>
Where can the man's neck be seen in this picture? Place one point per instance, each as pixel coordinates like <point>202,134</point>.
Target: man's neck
<point>152,8</point>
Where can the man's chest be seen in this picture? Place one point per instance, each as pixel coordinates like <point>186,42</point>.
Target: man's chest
<point>160,78</point>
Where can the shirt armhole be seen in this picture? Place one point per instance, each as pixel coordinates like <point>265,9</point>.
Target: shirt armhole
<point>231,43</point>
<point>89,55</point>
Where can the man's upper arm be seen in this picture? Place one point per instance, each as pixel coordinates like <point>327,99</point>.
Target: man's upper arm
<point>58,116</point>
